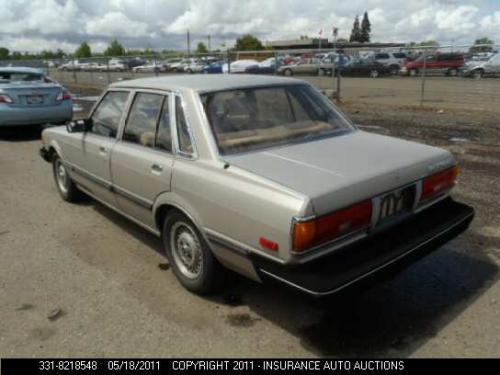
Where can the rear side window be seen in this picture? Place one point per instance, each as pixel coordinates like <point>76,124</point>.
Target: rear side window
<point>399,55</point>
<point>183,137</point>
<point>382,56</point>
<point>106,117</point>
<point>141,123</point>
<point>163,134</point>
<point>20,76</point>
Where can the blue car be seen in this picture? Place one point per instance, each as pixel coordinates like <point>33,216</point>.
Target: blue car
<point>215,67</point>
<point>29,97</point>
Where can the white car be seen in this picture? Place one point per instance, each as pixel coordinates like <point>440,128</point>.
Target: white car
<point>116,65</point>
<point>149,68</point>
<point>240,66</point>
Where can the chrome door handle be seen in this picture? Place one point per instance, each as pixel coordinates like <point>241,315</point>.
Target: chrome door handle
<point>156,168</point>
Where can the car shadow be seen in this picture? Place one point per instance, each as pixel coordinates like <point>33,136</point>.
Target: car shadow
<point>393,318</point>
<point>20,133</point>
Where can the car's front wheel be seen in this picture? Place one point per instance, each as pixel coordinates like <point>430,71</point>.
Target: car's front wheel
<point>65,185</point>
<point>374,73</point>
<point>191,259</point>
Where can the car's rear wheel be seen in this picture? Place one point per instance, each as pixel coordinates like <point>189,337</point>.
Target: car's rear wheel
<point>374,73</point>
<point>452,72</point>
<point>413,72</point>
<point>191,259</point>
<point>288,72</point>
<point>477,74</point>
<point>65,185</point>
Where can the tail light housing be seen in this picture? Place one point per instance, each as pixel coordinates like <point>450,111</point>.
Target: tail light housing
<point>4,98</point>
<point>63,95</point>
<point>439,182</point>
<point>310,233</point>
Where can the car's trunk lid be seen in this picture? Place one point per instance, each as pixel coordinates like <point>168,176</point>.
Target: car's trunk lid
<point>345,169</point>
<point>31,94</point>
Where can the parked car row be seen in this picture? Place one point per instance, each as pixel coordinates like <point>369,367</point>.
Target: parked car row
<point>364,64</point>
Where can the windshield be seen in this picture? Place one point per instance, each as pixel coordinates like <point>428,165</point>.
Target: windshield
<point>19,76</point>
<point>253,118</point>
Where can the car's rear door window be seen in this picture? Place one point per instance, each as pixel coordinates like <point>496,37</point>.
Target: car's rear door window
<point>106,117</point>
<point>140,127</point>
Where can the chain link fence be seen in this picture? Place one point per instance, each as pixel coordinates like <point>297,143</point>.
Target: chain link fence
<point>454,77</point>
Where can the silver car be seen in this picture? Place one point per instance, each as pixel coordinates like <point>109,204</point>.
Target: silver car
<point>260,175</point>
<point>28,97</point>
<point>484,67</point>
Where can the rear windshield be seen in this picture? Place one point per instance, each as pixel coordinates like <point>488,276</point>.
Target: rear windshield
<point>253,118</point>
<point>19,76</point>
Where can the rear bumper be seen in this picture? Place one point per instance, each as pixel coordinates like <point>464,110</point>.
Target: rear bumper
<point>36,115</point>
<point>374,256</point>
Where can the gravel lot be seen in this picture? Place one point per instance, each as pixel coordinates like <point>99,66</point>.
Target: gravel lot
<point>79,280</point>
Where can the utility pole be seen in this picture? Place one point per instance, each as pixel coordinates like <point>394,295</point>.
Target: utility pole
<point>188,43</point>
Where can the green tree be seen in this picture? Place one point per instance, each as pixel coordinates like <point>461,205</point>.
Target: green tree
<point>484,44</point>
<point>114,49</point>
<point>428,43</point>
<point>201,48</point>
<point>4,53</point>
<point>356,31</point>
<point>366,29</point>
<point>83,51</point>
<point>248,42</point>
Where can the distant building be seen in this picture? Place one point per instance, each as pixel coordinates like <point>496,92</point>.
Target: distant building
<point>307,43</point>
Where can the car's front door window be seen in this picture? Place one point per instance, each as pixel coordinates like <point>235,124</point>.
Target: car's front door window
<point>106,118</point>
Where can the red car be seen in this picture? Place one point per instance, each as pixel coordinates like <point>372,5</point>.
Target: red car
<point>448,63</point>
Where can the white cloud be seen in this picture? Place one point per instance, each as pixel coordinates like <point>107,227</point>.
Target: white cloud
<point>116,24</point>
<point>163,23</point>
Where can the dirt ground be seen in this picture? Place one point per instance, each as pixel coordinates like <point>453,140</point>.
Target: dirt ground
<point>79,280</point>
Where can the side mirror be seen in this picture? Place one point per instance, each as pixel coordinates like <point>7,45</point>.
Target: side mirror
<point>78,126</point>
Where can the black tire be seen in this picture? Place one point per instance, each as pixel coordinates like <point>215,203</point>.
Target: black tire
<point>288,72</point>
<point>321,72</point>
<point>210,275</point>
<point>477,74</point>
<point>413,72</point>
<point>394,70</point>
<point>67,189</point>
<point>452,72</point>
<point>374,73</point>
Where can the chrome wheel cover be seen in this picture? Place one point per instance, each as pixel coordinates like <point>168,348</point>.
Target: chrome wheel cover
<point>186,250</point>
<point>62,177</point>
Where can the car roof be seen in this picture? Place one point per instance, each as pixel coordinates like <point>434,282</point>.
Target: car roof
<point>204,83</point>
<point>20,69</point>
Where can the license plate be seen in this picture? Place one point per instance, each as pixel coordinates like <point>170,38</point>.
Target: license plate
<point>396,203</point>
<point>34,99</point>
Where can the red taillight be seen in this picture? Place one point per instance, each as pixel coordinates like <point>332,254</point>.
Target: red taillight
<point>307,234</point>
<point>4,98</point>
<point>439,182</point>
<point>64,95</point>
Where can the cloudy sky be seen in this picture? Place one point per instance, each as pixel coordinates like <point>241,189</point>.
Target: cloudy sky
<point>31,25</point>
